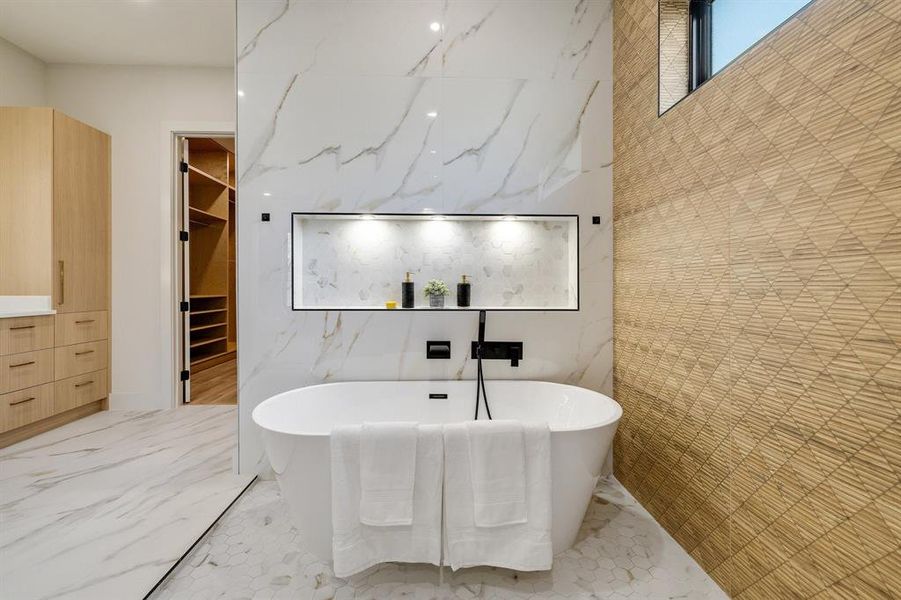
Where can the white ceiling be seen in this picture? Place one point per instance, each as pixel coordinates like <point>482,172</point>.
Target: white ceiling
<point>123,32</point>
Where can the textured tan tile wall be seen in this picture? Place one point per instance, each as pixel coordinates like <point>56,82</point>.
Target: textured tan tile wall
<point>673,44</point>
<point>757,233</point>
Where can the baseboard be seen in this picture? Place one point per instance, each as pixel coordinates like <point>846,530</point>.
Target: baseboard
<point>32,429</point>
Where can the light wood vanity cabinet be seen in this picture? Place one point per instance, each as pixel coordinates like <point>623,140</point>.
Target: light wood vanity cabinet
<point>23,407</point>
<point>80,358</point>
<point>26,369</point>
<point>54,241</point>
<point>77,328</point>
<point>81,216</point>
<point>78,391</point>
<point>23,334</point>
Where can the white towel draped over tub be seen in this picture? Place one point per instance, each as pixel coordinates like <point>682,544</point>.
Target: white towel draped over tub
<point>523,546</point>
<point>357,546</point>
<point>387,472</point>
<point>497,460</point>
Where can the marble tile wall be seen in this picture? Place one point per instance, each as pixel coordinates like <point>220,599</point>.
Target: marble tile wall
<point>456,106</point>
<point>361,262</point>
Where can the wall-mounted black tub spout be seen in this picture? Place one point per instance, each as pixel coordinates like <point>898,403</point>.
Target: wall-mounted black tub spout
<point>511,351</point>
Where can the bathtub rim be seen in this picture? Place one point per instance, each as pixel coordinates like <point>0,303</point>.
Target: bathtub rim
<point>614,419</point>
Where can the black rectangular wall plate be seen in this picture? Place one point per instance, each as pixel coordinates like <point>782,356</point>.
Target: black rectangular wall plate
<point>497,350</point>
<point>440,350</point>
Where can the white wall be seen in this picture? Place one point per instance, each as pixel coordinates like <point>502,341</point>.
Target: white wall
<point>132,104</point>
<point>503,107</point>
<point>22,77</point>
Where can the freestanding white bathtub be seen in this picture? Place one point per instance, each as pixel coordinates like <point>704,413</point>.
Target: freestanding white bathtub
<point>296,426</point>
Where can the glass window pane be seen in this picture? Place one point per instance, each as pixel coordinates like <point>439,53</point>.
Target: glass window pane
<point>739,24</point>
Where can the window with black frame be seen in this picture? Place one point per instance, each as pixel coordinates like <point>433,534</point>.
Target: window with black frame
<point>698,38</point>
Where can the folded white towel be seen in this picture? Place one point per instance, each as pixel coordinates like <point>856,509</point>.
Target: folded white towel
<point>497,460</point>
<point>521,546</point>
<point>356,546</point>
<point>387,468</point>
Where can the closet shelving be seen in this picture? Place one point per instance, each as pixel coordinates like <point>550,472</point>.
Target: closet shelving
<point>211,217</point>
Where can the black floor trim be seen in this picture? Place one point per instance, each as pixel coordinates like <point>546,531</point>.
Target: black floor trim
<point>197,541</point>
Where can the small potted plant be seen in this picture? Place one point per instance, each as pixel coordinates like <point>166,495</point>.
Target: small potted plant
<point>436,290</point>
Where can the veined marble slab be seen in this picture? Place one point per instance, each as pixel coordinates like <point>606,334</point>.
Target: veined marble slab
<point>101,508</point>
<point>426,107</point>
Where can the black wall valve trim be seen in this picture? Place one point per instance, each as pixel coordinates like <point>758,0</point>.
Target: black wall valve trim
<point>511,351</point>
<point>265,217</point>
<point>439,350</point>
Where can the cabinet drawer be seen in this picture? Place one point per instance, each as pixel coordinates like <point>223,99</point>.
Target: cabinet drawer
<point>25,406</point>
<point>78,391</point>
<point>25,370</point>
<point>77,328</point>
<point>24,334</point>
<point>80,358</point>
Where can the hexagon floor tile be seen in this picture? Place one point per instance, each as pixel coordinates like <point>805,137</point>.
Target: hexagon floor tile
<point>255,553</point>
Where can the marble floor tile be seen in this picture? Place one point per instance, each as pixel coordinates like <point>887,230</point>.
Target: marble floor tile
<point>103,507</point>
<point>254,553</point>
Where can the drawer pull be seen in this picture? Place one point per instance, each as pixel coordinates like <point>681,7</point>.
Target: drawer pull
<point>24,364</point>
<point>22,401</point>
<point>78,385</point>
<point>84,352</point>
<point>84,321</point>
<point>21,327</point>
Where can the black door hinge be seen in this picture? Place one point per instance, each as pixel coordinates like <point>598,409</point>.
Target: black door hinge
<point>183,236</point>
<point>184,306</point>
<point>185,375</point>
<point>183,167</point>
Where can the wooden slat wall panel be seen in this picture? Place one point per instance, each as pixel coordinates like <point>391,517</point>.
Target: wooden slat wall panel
<point>757,235</point>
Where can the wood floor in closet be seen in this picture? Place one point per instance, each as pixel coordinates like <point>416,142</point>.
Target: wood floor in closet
<point>216,385</point>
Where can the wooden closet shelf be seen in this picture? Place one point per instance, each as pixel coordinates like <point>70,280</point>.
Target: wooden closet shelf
<point>206,357</point>
<point>198,177</point>
<point>200,343</point>
<point>210,326</point>
<point>195,215</point>
<point>205,296</point>
<point>208,311</point>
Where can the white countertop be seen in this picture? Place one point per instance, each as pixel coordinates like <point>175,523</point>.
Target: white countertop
<point>25,306</point>
<point>26,313</point>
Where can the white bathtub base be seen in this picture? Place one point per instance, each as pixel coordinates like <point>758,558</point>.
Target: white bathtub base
<point>296,427</point>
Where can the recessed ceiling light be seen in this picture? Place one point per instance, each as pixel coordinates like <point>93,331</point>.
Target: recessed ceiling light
<point>435,26</point>
<point>432,114</point>
<point>433,152</point>
<point>241,93</point>
<point>266,194</point>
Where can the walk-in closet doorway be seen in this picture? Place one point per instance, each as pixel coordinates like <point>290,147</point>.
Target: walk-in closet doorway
<point>206,295</point>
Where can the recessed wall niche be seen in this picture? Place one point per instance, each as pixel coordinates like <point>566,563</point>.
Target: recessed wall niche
<point>358,261</point>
